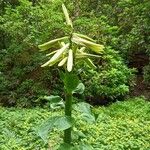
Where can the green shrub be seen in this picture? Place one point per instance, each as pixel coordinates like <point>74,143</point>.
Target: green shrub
<point>122,24</point>
<point>110,81</point>
<point>24,27</point>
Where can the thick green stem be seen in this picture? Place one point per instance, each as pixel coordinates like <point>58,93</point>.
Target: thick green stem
<point>68,109</point>
<point>68,105</point>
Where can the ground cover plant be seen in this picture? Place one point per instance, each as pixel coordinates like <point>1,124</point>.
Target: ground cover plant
<point>120,126</point>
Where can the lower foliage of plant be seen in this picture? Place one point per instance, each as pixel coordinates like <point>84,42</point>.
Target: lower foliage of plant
<point>123,125</point>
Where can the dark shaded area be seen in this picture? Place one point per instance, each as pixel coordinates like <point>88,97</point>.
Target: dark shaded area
<point>139,61</point>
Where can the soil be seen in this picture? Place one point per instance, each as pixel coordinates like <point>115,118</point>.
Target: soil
<point>141,89</point>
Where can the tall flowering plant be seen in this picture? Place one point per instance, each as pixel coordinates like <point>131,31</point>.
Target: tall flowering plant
<point>72,48</point>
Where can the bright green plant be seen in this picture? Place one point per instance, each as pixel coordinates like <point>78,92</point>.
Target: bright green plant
<point>73,48</point>
<point>120,126</point>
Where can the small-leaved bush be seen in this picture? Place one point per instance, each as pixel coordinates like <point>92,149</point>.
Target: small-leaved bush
<point>111,81</point>
<point>24,25</point>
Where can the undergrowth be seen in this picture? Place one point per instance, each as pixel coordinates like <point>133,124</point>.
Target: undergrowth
<point>123,125</point>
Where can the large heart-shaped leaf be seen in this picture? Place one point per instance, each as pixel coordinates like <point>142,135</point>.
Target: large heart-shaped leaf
<point>59,122</point>
<point>82,107</point>
<point>85,110</point>
<point>46,127</point>
<point>55,101</point>
<point>90,118</point>
<point>64,123</point>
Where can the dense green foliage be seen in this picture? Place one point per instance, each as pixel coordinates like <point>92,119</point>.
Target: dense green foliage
<point>123,125</point>
<point>122,25</point>
<point>24,27</point>
<point>111,81</point>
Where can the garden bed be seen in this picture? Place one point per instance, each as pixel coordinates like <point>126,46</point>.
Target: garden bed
<point>123,125</point>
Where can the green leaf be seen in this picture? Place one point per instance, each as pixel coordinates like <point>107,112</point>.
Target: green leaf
<point>55,101</point>
<point>62,75</point>
<point>82,146</point>
<point>90,118</point>
<point>64,123</point>
<point>82,107</point>
<point>90,63</point>
<point>79,89</point>
<point>85,110</point>
<point>85,147</point>
<point>71,82</point>
<point>46,127</point>
<point>77,135</point>
<point>57,105</point>
<point>59,122</point>
<point>65,146</point>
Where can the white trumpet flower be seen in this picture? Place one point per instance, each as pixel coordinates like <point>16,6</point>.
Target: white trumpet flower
<point>62,62</point>
<point>84,37</point>
<point>73,50</point>
<point>70,60</point>
<point>49,54</point>
<point>51,43</point>
<point>56,56</point>
<point>91,45</point>
<point>68,20</point>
